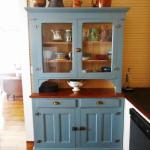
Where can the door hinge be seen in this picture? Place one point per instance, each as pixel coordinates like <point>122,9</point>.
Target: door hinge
<point>117,141</point>
<point>118,26</point>
<point>37,114</point>
<point>39,141</point>
<point>118,113</point>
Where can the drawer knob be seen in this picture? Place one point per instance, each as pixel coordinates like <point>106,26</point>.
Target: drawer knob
<point>56,103</point>
<point>78,49</point>
<point>99,103</point>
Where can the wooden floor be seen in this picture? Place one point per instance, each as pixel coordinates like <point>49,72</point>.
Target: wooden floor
<point>12,129</point>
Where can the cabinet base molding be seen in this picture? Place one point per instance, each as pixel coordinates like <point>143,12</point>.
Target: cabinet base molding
<point>30,146</point>
<point>77,149</point>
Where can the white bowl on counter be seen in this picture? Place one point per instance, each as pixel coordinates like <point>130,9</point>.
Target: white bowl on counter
<point>75,84</point>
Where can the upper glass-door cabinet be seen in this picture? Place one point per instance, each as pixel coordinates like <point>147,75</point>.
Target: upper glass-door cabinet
<point>79,43</point>
<point>96,47</point>
<point>57,47</point>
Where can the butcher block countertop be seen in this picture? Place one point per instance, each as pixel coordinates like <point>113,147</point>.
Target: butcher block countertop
<point>83,93</point>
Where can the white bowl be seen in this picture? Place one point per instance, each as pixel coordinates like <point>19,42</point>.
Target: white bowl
<point>75,85</point>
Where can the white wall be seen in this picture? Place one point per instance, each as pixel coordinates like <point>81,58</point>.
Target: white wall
<point>26,80</point>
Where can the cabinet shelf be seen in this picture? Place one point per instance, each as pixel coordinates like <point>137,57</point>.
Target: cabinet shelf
<point>59,61</point>
<point>56,43</point>
<point>96,61</point>
<point>97,42</point>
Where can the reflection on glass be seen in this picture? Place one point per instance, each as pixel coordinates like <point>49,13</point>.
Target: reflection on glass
<point>97,47</point>
<point>57,47</point>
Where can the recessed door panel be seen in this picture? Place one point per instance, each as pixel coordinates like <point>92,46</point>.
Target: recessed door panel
<point>55,126</point>
<point>103,128</point>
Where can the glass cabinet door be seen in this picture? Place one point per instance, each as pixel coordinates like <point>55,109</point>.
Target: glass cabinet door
<point>57,47</point>
<point>97,47</point>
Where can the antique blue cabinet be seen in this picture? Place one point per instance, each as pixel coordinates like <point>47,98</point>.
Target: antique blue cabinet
<point>82,43</point>
<point>78,123</point>
<point>79,43</point>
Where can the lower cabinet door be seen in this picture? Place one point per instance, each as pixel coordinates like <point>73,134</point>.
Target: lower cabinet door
<point>54,128</point>
<point>101,128</point>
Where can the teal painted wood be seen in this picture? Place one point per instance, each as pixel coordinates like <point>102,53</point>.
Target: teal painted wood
<point>55,103</point>
<point>99,103</point>
<point>99,128</point>
<point>103,128</point>
<point>37,16</point>
<point>76,10</point>
<point>53,128</point>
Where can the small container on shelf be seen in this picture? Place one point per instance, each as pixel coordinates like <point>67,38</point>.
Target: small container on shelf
<point>55,3</point>
<point>101,3</point>
<point>60,55</point>
<point>77,3</point>
<point>106,69</point>
<point>39,3</point>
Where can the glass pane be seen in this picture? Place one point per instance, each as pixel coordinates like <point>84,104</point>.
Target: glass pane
<point>97,47</point>
<point>57,47</point>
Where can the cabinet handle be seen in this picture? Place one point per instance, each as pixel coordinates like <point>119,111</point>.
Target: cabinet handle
<point>38,141</point>
<point>37,114</point>
<point>99,103</point>
<point>75,129</point>
<point>56,103</point>
<point>83,128</point>
<point>78,49</point>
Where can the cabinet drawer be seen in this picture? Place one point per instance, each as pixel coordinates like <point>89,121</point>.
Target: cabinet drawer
<point>55,103</point>
<point>99,103</point>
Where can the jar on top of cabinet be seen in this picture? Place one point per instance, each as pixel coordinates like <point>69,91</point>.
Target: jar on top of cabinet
<point>39,3</point>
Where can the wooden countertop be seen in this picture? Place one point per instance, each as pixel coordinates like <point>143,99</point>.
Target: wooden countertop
<point>83,93</point>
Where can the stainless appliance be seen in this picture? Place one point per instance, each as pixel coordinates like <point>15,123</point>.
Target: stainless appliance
<point>139,132</point>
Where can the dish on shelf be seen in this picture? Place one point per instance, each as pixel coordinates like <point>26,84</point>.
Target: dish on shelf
<point>101,57</point>
<point>60,55</point>
<point>85,58</point>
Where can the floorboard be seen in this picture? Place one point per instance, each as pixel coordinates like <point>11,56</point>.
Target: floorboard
<point>12,129</point>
